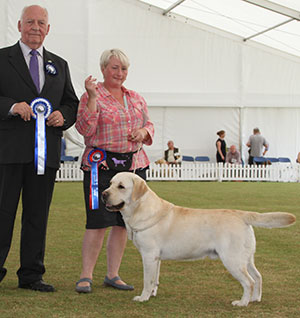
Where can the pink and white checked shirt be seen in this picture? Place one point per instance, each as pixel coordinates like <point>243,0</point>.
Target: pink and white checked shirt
<point>109,126</point>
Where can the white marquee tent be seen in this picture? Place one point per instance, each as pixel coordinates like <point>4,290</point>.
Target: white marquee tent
<point>197,78</point>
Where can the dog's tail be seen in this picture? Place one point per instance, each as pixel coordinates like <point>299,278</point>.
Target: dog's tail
<point>269,220</point>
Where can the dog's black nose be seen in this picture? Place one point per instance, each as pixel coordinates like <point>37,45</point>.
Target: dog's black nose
<point>104,196</point>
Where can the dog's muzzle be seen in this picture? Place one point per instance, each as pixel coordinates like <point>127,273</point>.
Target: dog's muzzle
<point>111,208</point>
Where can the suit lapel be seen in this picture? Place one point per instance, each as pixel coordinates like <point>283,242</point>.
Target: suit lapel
<point>48,78</point>
<point>17,60</point>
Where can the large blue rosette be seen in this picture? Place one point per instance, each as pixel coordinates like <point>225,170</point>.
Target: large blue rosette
<point>42,109</point>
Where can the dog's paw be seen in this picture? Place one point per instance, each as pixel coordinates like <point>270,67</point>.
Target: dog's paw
<point>239,303</point>
<point>140,298</point>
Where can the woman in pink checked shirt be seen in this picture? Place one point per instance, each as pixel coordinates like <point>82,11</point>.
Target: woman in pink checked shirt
<point>115,119</point>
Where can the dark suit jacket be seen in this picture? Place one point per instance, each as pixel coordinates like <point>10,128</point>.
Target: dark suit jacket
<point>176,150</point>
<point>17,137</point>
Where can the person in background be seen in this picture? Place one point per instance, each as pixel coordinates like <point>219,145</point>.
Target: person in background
<point>172,155</point>
<point>115,119</point>
<point>29,71</point>
<point>298,158</point>
<point>258,145</point>
<point>233,156</point>
<point>221,147</point>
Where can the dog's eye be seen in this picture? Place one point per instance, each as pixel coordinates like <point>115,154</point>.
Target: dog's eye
<point>121,186</point>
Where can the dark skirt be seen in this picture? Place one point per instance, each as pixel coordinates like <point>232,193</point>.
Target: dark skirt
<point>101,218</point>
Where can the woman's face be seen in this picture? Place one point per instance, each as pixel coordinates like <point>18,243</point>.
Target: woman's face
<point>114,73</point>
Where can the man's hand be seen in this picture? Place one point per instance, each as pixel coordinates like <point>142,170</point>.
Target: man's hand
<point>22,109</point>
<point>55,119</point>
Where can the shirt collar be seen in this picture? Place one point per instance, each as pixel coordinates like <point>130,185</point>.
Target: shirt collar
<point>26,49</point>
<point>106,93</point>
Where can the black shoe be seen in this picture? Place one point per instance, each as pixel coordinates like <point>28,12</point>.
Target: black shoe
<point>39,285</point>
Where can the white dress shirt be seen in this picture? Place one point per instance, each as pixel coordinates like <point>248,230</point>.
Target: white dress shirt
<point>26,53</point>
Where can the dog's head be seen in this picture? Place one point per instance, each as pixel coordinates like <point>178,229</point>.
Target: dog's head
<point>125,188</point>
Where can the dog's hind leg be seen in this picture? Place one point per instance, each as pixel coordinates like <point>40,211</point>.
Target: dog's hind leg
<point>154,292</point>
<point>150,264</point>
<point>255,274</point>
<point>239,272</point>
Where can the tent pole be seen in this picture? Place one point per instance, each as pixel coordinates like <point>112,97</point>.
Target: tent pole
<point>276,8</point>
<point>173,6</point>
<point>269,29</point>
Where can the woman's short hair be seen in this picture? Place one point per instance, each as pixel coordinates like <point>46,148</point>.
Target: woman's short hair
<point>120,55</point>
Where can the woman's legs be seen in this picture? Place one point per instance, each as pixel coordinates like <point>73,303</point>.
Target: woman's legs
<point>91,247</point>
<point>116,244</point>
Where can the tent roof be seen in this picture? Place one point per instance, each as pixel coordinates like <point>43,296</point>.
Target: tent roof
<point>244,18</point>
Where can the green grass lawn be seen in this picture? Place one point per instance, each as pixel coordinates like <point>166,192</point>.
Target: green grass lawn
<point>187,289</point>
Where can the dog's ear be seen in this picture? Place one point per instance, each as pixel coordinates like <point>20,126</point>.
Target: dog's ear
<point>139,188</point>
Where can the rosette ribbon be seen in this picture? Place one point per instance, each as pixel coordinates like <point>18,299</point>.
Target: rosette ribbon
<point>42,109</point>
<point>95,157</point>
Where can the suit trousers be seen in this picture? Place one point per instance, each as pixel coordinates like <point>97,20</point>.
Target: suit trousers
<point>36,192</point>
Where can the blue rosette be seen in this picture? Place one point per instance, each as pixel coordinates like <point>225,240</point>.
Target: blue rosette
<point>95,157</point>
<point>50,68</point>
<point>41,109</point>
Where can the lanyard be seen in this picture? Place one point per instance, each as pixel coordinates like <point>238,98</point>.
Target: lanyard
<point>125,102</point>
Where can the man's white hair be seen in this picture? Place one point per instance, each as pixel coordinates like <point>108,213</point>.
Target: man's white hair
<point>34,5</point>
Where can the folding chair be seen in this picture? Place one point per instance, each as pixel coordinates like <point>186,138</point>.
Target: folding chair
<point>201,158</point>
<point>188,158</point>
<point>284,159</point>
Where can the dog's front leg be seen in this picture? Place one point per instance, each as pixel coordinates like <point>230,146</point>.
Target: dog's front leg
<point>151,266</point>
<point>154,292</point>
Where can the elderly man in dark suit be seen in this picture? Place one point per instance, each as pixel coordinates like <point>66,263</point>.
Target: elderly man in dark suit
<point>19,86</point>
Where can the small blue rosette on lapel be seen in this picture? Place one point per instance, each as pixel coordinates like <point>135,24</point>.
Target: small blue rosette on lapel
<point>50,68</point>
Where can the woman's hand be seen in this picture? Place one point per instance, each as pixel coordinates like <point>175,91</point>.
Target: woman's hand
<point>91,86</point>
<point>139,135</point>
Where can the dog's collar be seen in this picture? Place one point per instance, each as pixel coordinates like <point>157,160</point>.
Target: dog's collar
<point>135,230</point>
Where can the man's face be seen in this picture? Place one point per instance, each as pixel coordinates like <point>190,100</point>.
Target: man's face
<point>170,145</point>
<point>34,26</point>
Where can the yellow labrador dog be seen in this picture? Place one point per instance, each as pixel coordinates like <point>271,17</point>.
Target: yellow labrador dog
<point>163,231</point>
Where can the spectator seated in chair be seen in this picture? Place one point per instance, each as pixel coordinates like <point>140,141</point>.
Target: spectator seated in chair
<point>172,155</point>
<point>233,156</point>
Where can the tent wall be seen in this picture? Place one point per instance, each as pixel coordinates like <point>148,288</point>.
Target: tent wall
<point>196,79</point>
<point>193,129</point>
